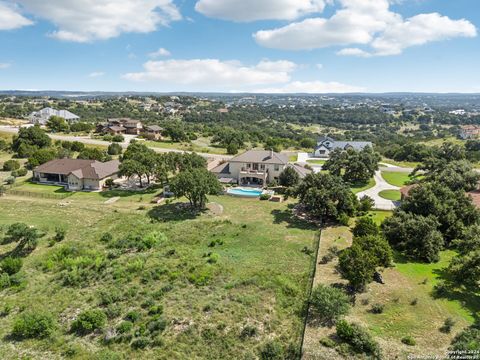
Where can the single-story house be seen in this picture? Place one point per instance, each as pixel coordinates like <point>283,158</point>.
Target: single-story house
<point>41,117</point>
<point>153,132</point>
<point>325,145</point>
<point>255,167</point>
<point>77,174</point>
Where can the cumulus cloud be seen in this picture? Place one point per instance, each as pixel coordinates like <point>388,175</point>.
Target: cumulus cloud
<point>10,17</point>
<point>313,87</point>
<point>4,66</point>
<point>160,52</point>
<point>252,10</point>
<point>213,74</point>
<point>96,74</point>
<point>369,23</point>
<point>87,20</point>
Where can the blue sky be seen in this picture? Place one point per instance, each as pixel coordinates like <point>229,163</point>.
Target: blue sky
<point>240,45</point>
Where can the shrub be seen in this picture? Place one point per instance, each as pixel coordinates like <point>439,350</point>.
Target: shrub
<point>89,321</point>
<point>155,310</point>
<point>468,339</point>
<point>10,180</point>
<point>365,226</point>
<point>60,234</point>
<point>20,172</point>
<point>11,165</point>
<point>140,343</point>
<point>265,197</point>
<point>33,325</point>
<point>329,303</point>
<point>377,308</point>
<point>125,327</point>
<point>408,340</point>
<point>359,339</point>
<point>157,325</point>
<point>327,342</point>
<point>118,138</point>
<point>272,350</point>
<point>343,219</point>
<point>132,316</point>
<point>447,325</point>
<point>11,265</point>
<point>114,149</point>
<point>106,238</point>
<point>248,331</point>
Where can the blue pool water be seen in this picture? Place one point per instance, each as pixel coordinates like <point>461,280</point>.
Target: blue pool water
<point>245,192</point>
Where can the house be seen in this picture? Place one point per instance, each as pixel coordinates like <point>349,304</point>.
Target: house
<point>121,126</point>
<point>153,132</point>
<point>77,174</point>
<point>326,144</point>
<point>255,167</point>
<point>469,132</point>
<point>41,117</point>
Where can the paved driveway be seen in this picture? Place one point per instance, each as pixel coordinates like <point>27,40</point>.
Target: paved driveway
<point>380,185</point>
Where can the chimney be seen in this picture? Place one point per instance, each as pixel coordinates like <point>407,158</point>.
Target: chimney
<point>271,153</point>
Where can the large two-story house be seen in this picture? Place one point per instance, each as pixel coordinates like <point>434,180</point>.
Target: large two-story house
<point>42,116</point>
<point>255,167</point>
<point>121,126</point>
<point>325,145</point>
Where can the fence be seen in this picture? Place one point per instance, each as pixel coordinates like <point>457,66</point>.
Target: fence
<point>38,194</point>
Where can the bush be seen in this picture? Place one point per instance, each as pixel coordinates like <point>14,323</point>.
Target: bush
<point>327,342</point>
<point>468,339</point>
<point>11,265</point>
<point>125,327</point>
<point>118,138</point>
<point>329,303</point>
<point>20,172</point>
<point>265,197</point>
<point>11,165</point>
<point>377,308</point>
<point>359,339</point>
<point>114,149</point>
<point>343,219</point>
<point>447,326</point>
<point>365,226</point>
<point>60,234</point>
<point>10,180</point>
<point>132,316</point>
<point>33,326</point>
<point>140,343</point>
<point>272,350</point>
<point>408,340</point>
<point>89,321</point>
<point>248,331</point>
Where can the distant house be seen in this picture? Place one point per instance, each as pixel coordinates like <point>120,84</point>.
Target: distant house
<point>255,167</point>
<point>76,174</point>
<point>469,132</point>
<point>152,132</point>
<point>41,117</point>
<point>325,145</point>
<point>121,126</point>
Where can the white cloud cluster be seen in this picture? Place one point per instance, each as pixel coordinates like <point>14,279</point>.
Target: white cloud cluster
<point>252,10</point>
<point>368,23</point>
<point>216,75</point>
<point>159,53</point>
<point>89,20</point>
<point>10,17</point>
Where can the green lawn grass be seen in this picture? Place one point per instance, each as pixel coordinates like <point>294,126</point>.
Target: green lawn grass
<point>201,145</point>
<point>362,187</point>
<point>206,304</point>
<point>316,162</point>
<point>293,158</point>
<point>405,164</point>
<point>393,195</point>
<point>396,178</point>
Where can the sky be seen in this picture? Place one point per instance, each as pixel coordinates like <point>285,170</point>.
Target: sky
<point>269,46</point>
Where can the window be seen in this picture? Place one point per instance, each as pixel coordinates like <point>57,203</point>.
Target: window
<point>321,152</point>
<point>262,167</point>
<point>277,167</point>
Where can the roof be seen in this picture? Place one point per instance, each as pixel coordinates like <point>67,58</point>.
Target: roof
<point>117,128</point>
<point>154,128</point>
<point>48,112</point>
<point>301,171</point>
<point>405,191</point>
<point>82,169</point>
<point>333,144</point>
<point>261,156</point>
<point>221,169</point>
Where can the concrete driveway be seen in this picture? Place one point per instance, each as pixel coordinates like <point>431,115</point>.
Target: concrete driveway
<point>380,185</point>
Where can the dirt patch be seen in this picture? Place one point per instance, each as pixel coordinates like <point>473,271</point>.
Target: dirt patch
<point>215,209</point>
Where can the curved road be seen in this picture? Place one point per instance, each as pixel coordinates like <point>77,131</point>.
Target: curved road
<point>380,185</point>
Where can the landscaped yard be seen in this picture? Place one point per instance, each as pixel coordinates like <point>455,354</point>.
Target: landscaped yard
<point>201,145</point>
<point>396,178</point>
<point>218,285</point>
<point>409,307</point>
<point>362,187</point>
<point>316,162</point>
<point>393,195</point>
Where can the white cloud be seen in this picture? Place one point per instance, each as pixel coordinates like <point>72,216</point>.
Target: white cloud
<point>213,74</point>
<point>4,66</point>
<point>313,87</point>
<point>160,52</point>
<point>96,74</point>
<point>89,20</point>
<point>319,66</point>
<point>369,23</point>
<point>10,17</point>
<point>252,10</point>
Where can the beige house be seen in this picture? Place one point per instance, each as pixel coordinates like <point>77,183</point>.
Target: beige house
<point>76,174</point>
<point>255,168</point>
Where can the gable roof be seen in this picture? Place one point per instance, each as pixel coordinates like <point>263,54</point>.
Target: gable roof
<point>82,169</point>
<point>154,128</point>
<point>261,156</point>
<point>331,144</point>
<point>221,169</point>
<point>300,170</point>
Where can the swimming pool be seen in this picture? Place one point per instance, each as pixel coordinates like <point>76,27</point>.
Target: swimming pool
<point>238,191</point>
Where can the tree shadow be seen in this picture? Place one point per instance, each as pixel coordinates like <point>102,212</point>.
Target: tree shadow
<point>172,212</point>
<point>293,221</point>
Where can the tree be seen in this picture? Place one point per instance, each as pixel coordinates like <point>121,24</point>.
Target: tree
<point>308,143</point>
<point>467,340</point>
<point>288,177</point>
<point>31,325</point>
<point>11,165</point>
<point>365,226</point>
<point>195,185</point>
<point>57,124</point>
<point>325,195</point>
<point>94,154</point>
<point>30,138</point>
<point>41,156</point>
<point>456,175</point>
<point>464,270</point>
<point>356,166</point>
<point>232,149</point>
<point>26,237</point>
<point>377,247</point>
<point>329,303</point>
<point>130,168</point>
<point>357,266</point>
<point>114,149</point>
<point>89,321</point>
<point>416,236</point>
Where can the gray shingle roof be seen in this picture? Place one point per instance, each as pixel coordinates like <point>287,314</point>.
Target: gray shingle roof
<point>333,144</point>
<point>83,169</point>
<point>261,156</point>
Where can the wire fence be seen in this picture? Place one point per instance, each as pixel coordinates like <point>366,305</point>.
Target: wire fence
<point>37,194</point>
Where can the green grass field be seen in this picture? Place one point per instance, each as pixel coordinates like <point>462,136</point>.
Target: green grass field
<point>362,187</point>
<point>393,195</point>
<point>316,162</point>
<point>396,178</point>
<point>214,274</point>
<point>201,145</point>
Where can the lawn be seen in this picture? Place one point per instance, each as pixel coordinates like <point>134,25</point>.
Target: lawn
<point>393,195</point>
<point>362,187</point>
<point>220,277</point>
<point>201,145</point>
<point>396,178</point>
<point>405,164</point>
<point>409,308</point>
<point>316,162</point>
